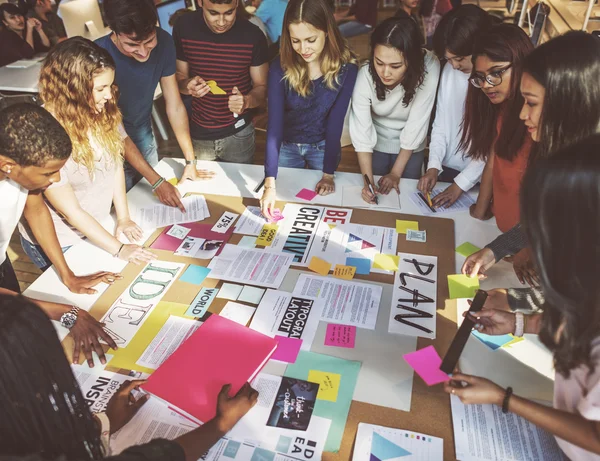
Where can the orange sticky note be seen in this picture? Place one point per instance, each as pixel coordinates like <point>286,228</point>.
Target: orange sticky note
<point>344,272</point>
<point>386,262</point>
<point>319,266</point>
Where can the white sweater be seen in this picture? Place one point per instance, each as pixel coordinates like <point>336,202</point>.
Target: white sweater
<point>387,126</point>
<point>447,130</point>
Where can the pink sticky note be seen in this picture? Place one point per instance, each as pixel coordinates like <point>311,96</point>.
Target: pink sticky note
<point>275,216</point>
<point>426,362</point>
<point>306,194</point>
<point>340,335</point>
<point>287,349</point>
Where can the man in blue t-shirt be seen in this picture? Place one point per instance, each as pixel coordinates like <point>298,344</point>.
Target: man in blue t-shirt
<point>145,56</point>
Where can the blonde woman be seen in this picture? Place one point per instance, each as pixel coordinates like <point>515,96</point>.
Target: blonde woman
<point>310,86</point>
<point>76,85</point>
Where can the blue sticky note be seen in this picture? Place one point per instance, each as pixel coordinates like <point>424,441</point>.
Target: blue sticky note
<point>194,274</point>
<point>202,302</point>
<point>363,265</point>
<point>493,342</point>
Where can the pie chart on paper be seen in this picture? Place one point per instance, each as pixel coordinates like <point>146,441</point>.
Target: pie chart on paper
<point>384,450</point>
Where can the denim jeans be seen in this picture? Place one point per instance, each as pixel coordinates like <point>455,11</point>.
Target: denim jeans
<point>143,138</point>
<point>8,278</point>
<point>37,255</point>
<point>383,163</point>
<point>354,28</point>
<point>237,148</point>
<point>311,156</point>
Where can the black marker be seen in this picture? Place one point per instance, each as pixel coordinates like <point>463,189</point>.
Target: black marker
<point>372,190</point>
<point>259,187</point>
<point>427,203</point>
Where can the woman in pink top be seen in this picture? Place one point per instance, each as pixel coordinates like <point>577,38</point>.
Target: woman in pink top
<point>560,199</point>
<point>76,85</point>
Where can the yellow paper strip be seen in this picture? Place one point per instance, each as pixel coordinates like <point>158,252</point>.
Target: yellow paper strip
<point>267,235</point>
<point>403,226</point>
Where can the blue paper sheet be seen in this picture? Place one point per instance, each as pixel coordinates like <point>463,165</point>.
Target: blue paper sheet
<point>194,274</point>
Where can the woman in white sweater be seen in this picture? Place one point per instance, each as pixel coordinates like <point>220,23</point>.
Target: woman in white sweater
<point>453,41</point>
<point>391,106</point>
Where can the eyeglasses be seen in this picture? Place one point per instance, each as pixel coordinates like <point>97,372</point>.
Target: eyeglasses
<point>493,78</point>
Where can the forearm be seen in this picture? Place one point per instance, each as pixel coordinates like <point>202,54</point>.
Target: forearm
<point>485,189</point>
<point>137,161</point>
<point>44,38</point>
<point>53,310</point>
<point>256,97</point>
<point>120,196</point>
<point>533,324</point>
<point>29,37</point>
<point>401,161</point>
<point>92,229</point>
<point>199,441</point>
<point>509,243</point>
<point>178,119</point>
<point>365,163</point>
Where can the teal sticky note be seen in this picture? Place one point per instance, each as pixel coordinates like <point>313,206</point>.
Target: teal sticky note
<point>194,274</point>
<point>493,342</point>
<point>201,302</point>
<point>336,411</point>
<point>363,265</point>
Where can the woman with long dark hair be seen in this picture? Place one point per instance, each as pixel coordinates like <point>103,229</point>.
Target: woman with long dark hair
<point>561,106</point>
<point>45,417</point>
<point>492,130</point>
<point>391,106</point>
<point>560,199</point>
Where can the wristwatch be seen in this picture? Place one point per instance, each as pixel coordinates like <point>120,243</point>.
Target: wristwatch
<point>68,319</point>
<point>191,162</point>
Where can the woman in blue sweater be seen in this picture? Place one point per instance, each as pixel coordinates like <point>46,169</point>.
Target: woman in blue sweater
<point>310,86</point>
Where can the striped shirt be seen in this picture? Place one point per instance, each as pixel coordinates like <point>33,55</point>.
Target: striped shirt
<point>225,58</point>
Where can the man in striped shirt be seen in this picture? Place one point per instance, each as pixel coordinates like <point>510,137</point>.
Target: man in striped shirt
<point>222,63</point>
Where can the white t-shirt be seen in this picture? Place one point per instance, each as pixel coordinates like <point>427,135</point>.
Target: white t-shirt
<point>12,203</point>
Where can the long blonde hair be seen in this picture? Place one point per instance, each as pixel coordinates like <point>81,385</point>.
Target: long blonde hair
<point>66,88</point>
<point>335,54</point>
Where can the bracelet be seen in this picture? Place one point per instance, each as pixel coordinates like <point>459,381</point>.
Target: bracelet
<point>116,255</point>
<point>269,187</point>
<point>519,324</point>
<point>507,395</point>
<point>191,162</point>
<point>157,184</point>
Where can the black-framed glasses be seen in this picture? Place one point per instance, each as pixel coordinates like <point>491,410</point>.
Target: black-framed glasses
<point>493,78</point>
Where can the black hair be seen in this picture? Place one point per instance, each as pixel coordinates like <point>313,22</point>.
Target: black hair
<point>223,2</point>
<point>131,17</point>
<point>566,67</point>
<point>43,410</point>
<point>10,8</point>
<point>30,135</point>
<point>402,33</point>
<point>560,199</point>
<point>458,29</point>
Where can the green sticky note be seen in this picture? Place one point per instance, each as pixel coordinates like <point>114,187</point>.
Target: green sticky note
<point>310,364</point>
<point>462,286</point>
<point>467,249</point>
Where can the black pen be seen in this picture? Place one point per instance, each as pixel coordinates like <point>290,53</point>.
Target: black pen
<point>259,187</point>
<point>372,189</point>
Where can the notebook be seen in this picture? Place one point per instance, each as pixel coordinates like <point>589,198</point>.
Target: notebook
<point>219,352</point>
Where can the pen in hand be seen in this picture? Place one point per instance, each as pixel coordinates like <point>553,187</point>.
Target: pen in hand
<point>372,190</point>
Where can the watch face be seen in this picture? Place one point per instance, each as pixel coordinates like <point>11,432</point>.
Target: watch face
<point>68,320</point>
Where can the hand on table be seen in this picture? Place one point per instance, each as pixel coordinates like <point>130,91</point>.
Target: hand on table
<point>326,185</point>
<point>267,201</point>
<point>197,87</point>
<point>387,183</point>
<point>123,406</point>
<point>193,174</point>
<point>448,197</point>
<point>136,254</point>
<point>237,101</point>
<point>524,267</point>
<point>86,334</point>
<point>478,263</point>
<point>367,196</point>
<point>428,181</point>
<point>83,284</point>
<point>231,409</point>
<point>477,391</point>
<point>493,322</point>
<point>129,229</point>
<point>168,194</point>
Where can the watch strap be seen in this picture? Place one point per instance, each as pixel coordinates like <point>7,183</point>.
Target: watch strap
<point>191,162</point>
<point>519,324</point>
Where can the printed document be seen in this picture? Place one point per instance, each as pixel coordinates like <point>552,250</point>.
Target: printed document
<point>159,215</point>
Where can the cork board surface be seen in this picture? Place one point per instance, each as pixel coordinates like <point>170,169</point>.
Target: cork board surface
<point>430,409</point>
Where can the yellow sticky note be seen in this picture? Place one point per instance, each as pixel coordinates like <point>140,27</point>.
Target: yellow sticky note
<point>386,262</point>
<point>462,286</point>
<point>403,226</point>
<point>344,272</point>
<point>515,340</point>
<point>173,181</point>
<point>329,384</point>
<point>267,235</point>
<point>331,226</point>
<point>320,266</point>
<point>214,88</point>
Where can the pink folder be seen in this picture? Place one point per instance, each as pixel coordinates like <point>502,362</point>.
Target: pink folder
<point>219,352</point>
<point>198,230</point>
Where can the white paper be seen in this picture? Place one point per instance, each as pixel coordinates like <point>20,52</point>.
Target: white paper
<point>483,432</point>
<point>133,307</point>
<point>346,302</point>
<point>251,295</point>
<point>23,64</point>
<point>385,443</point>
<point>352,197</point>
<point>98,387</point>
<point>251,221</point>
<point>247,242</point>
<point>189,247</point>
<point>159,215</point>
<point>154,420</point>
<point>239,313</point>
<point>172,335</point>
<point>225,222</point>
<point>306,230</point>
<point>463,203</point>
<point>252,439</point>
<point>281,313</point>
<point>264,268</point>
<point>230,291</point>
<point>414,291</point>
<point>179,232</point>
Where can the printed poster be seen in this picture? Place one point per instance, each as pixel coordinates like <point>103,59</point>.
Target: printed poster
<point>294,404</point>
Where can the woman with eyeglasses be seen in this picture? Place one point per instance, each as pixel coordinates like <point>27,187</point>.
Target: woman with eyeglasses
<point>391,106</point>
<point>491,128</point>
